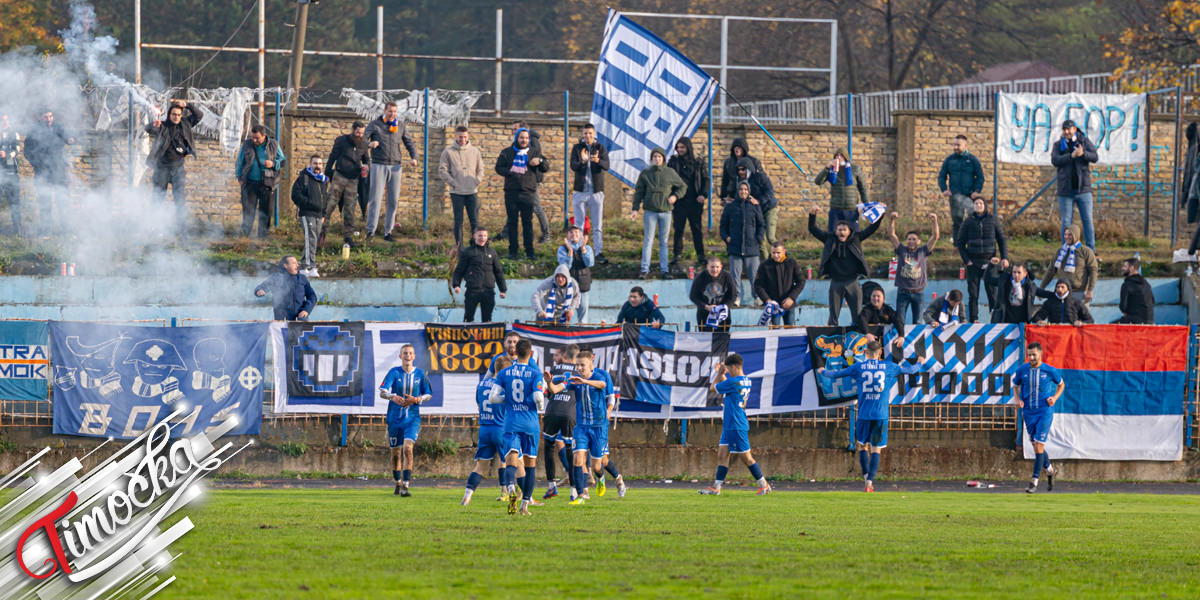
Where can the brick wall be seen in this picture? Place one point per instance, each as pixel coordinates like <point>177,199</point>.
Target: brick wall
<point>900,165</point>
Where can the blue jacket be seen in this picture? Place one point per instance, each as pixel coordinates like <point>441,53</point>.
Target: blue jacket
<point>290,294</point>
<point>961,174</point>
<point>249,169</point>
<point>743,228</point>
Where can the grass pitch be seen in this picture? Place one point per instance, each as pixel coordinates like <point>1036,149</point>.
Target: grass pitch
<point>655,543</point>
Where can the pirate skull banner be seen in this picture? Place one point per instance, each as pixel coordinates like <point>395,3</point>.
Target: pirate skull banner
<point>118,380</point>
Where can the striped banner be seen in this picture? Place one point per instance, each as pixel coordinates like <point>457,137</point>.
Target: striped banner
<point>964,363</point>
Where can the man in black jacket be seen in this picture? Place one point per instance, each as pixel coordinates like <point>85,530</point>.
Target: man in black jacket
<point>535,146</point>
<point>10,182</point>
<point>842,261</point>
<point>1062,307</point>
<point>589,161</point>
<point>308,194</point>
<point>292,297</point>
<point>742,229</point>
<point>640,310</point>
<point>780,280</point>
<point>762,193</point>
<point>173,143</point>
<point>479,266</point>
<point>877,312</point>
<point>520,164</point>
<point>729,176</point>
<point>690,208</point>
<point>1137,299</point>
<point>977,241</point>
<point>961,180</point>
<point>44,149</point>
<point>1015,296</point>
<point>347,162</point>
<point>1072,154</point>
<point>713,292</point>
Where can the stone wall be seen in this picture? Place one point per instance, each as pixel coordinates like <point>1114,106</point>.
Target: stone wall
<point>900,165</point>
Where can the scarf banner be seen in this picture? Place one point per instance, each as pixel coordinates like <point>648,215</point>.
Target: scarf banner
<point>462,348</point>
<point>964,363</point>
<point>547,340</point>
<point>24,360</point>
<point>119,381</point>
<point>666,374</point>
<point>323,359</point>
<point>647,95</point>
<point>1030,124</point>
<point>453,393</point>
<point>836,348</point>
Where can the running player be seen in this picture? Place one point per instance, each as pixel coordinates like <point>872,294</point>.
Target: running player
<point>559,421</point>
<point>735,428</point>
<point>522,386</point>
<point>1039,386</point>
<point>405,387</point>
<point>490,399</point>
<point>510,350</point>
<point>595,399</point>
<point>876,389</point>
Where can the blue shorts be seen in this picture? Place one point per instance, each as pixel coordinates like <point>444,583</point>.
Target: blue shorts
<point>491,443</point>
<point>1037,424</point>
<point>404,430</point>
<point>523,443</point>
<point>738,441</point>
<point>593,438</point>
<point>871,431</point>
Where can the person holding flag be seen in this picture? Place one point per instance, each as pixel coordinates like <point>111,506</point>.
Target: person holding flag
<point>876,390</point>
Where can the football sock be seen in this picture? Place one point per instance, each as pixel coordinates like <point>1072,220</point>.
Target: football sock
<point>530,482</point>
<point>874,466</point>
<point>1039,460</point>
<point>407,475</point>
<point>548,458</point>
<point>612,469</point>
<point>580,480</point>
<point>510,476</point>
<point>396,476</point>
<point>1046,461</point>
<point>756,471</point>
<point>863,461</point>
<point>564,457</point>
<point>721,472</point>
<point>473,481</point>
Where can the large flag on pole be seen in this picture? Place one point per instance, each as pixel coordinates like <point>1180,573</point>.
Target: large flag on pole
<point>647,94</point>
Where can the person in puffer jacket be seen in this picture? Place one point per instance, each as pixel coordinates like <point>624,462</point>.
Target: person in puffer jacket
<point>977,241</point>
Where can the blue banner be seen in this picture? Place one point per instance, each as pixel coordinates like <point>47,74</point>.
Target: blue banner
<point>118,381</point>
<point>962,363</point>
<point>24,360</point>
<point>647,95</point>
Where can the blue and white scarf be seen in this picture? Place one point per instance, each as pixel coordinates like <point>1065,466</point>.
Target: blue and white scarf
<point>873,211</point>
<point>552,304</point>
<point>947,315</point>
<point>849,176</point>
<point>770,311</point>
<point>716,315</point>
<point>520,163</point>
<point>318,176</point>
<point>1067,252</point>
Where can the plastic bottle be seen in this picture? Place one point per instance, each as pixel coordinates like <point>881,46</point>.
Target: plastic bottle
<point>346,251</point>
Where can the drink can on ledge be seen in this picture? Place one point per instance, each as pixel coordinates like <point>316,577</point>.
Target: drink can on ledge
<point>62,269</point>
<point>691,272</point>
<point>71,270</point>
<point>962,272</point>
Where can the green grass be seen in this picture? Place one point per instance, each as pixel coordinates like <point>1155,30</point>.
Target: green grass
<point>360,543</point>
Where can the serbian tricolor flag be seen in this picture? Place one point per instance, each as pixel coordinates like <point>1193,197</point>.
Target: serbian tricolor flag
<point>1125,387</point>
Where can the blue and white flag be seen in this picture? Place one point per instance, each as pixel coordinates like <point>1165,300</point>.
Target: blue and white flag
<point>873,211</point>
<point>118,381</point>
<point>24,360</point>
<point>962,363</point>
<point>647,95</point>
<point>666,375</point>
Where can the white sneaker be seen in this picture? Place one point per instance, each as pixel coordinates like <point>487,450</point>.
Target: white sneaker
<point>313,272</point>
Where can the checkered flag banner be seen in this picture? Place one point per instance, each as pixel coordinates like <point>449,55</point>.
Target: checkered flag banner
<point>963,363</point>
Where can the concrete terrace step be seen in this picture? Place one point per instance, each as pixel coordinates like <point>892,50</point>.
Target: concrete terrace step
<point>231,298</point>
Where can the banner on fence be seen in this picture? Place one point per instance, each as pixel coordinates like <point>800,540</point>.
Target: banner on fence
<point>1030,124</point>
<point>664,374</point>
<point>604,342</point>
<point>1124,391</point>
<point>647,94</point>
<point>118,381</point>
<point>836,348</point>
<point>453,393</point>
<point>466,348</point>
<point>965,363</point>
<point>24,360</point>
<point>324,359</point>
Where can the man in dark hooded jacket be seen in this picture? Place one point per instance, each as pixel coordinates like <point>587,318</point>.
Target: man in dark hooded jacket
<point>520,165</point>
<point>688,209</point>
<point>729,177</point>
<point>291,295</point>
<point>1137,299</point>
<point>762,195</point>
<point>1062,307</point>
<point>172,143</point>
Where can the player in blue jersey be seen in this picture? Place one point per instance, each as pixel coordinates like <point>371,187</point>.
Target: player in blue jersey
<point>490,398</point>
<point>405,388</point>
<point>522,386</point>
<point>876,389</point>
<point>595,398</point>
<point>1039,386</point>
<point>731,383</point>
<point>510,350</point>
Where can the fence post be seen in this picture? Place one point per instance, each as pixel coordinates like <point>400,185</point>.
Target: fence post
<point>853,420</point>
<point>850,128</point>
<point>345,429</point>
<point>424,170</point>
<point>278,104</point>
<point>567,160</point>
<point>995,155</point>
<point>683,432</point>
<point>1175,171</point>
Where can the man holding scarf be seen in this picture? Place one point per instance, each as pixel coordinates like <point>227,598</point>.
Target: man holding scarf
<point>520,164</point>
<point>1015,297</point>
<point>557,298</point>
<point>1076,263</point>
<point>846,190</point>
<point>387,137</point>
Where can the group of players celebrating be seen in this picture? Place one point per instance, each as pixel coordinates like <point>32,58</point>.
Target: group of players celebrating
<point>582,399</point>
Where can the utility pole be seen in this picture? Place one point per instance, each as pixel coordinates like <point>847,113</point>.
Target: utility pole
<point>298,51</point>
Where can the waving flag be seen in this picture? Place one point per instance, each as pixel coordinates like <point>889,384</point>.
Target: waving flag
<point>1124,391</point>
<point>647,94</point>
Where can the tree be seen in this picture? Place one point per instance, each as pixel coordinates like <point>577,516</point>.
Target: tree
<point>1153,51</point>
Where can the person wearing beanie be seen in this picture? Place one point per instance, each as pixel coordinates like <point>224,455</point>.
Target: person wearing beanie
<point>658,189</point>
<point>1073,154</point>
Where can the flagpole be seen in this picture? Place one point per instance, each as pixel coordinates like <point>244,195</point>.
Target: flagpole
<point>760,126</point>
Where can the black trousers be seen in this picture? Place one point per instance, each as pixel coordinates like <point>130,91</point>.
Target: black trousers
<point>256,198</point>
<point>980,270</point>
<point>519,205</point>
<point>469,203</point>
<point>687,212</point>
<point>484,299</point>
